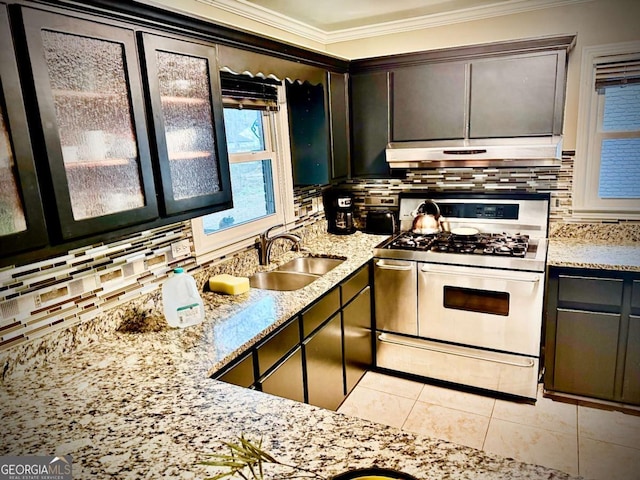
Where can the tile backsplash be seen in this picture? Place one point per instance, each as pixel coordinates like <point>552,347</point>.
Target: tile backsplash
<point>68,290</point>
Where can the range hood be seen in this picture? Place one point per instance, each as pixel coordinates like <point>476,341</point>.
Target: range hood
<point>494,152</point>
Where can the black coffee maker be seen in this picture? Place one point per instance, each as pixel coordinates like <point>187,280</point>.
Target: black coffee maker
<point>338,207</point>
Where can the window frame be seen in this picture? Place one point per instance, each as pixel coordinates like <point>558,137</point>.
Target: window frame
<point>586,202</point>
<point>278,150</point>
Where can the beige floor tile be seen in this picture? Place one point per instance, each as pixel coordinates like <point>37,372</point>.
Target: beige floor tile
<point>609,426</point>
<point>393,385</point>
<point>546,413</point>
<point>467,402</point>
<point>533,445</point>
<point>377,406</point>
<point>606,461</point>
<point>448,424</point>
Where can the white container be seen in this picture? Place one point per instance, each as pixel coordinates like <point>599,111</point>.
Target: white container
<point>183,305</point>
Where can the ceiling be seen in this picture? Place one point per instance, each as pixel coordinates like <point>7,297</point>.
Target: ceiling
<point>331,21</point>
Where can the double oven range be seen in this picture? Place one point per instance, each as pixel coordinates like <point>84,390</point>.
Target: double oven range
<point>465,305</point>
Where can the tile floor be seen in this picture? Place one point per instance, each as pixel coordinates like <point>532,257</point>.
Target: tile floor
<point>594,443</point>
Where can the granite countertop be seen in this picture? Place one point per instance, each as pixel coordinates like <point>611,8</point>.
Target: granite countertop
<point>141,405</point>
<point>596,254</point>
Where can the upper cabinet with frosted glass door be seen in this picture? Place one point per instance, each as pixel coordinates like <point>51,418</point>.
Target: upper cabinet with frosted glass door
<point>22,224</point>
<point>88,91</point>
<point>186,105</point>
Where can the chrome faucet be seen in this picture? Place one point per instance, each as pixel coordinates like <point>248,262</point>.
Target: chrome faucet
<point>265,242</point>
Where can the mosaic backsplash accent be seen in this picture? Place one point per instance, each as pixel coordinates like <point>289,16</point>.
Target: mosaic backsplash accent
<point>65,291</point>
<point>556,180</point>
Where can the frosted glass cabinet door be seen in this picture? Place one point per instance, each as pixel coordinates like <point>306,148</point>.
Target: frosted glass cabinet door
<point>22,225</point>
<point>87,83</point>
<point>184,93</point>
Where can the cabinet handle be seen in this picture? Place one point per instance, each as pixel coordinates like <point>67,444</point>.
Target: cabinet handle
<point>465,152</point>
<point>528,363</point>
<point>534,279</point>
<point>385,266</point>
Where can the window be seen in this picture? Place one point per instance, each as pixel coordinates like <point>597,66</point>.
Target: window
<point>607,169</point>
<point>261,178</point>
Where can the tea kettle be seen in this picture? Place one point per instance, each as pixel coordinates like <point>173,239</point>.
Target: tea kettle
<point>427,219</point>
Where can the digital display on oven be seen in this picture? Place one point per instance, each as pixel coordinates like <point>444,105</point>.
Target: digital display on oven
<point>480,210</point>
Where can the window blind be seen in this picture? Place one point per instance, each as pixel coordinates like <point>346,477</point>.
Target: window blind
<point>243,91</point>
<point>618,72</point>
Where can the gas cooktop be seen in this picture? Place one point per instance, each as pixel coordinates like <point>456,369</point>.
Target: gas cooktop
<point>509,231</point>
<point>501,244</point>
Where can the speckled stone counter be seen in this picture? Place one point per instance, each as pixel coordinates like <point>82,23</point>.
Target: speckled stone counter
<point>141,405</point>
<point>597,254</point>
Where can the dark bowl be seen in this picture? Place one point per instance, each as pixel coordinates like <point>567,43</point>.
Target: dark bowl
<point>372,472</point>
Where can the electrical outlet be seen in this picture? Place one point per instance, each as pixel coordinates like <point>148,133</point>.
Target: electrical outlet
<point>180,249</point>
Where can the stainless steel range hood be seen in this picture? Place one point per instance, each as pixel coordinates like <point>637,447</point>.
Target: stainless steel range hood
<point>494,152</point>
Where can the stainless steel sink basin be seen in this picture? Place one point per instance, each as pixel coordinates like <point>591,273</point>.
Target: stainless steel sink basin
<point>294,274</point>
<point>313,265</point>
<point>281,280</point>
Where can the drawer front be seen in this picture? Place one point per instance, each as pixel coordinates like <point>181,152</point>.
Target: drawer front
<point>354,285</point>
<point>606,292</point>
<point>635,296</point>
<point>274,349</point>
<point>320,311</point>
<point>240,374</point>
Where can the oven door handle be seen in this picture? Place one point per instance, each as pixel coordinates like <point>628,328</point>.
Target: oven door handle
<point>510,278</point>
<point>386,266</point>
<point>384,338</point>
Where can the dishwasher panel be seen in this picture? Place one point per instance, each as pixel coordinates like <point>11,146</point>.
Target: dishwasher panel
<point>396,296</point>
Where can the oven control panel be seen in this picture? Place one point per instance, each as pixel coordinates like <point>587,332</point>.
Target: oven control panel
<point>480,210</point>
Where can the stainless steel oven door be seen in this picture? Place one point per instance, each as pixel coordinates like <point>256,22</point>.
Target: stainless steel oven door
<point>487,308</point>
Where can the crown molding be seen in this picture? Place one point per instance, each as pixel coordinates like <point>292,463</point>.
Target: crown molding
<point>269,17</point>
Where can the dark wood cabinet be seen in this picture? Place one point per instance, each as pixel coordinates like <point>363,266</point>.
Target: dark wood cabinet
<point>592,334</point>
<point>339,125</point>
<point>369,124</point>
<point>241,373</point>
<point>88,91</point>
<point>308,133</point>
<point>323,364</point>
<point>429,102</point>
<point>183,88</point>
<point>22,221</point>
<point>286,380</point>
<point>358,346</point>
<point>303,359</point>
<point>517,96</point>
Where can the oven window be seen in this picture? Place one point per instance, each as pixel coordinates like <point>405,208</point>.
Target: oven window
<point>472,300</point>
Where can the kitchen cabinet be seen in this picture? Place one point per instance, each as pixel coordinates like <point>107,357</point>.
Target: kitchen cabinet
<point>429,101</point>
<point>286,380</point>
<point>323,364</point>
<point>369,124</point>
<point>22,221</point>
<point>517,96</point>
<point>514,96</point>
<point>358,348</point>
<point>308,133</point>
<point>319,130</point>
<point>88,91</point>
<point>241,373</point>
<point>592,333</point>
<point>339,123</point>
<point>318,355</point>
<point>183,86</point>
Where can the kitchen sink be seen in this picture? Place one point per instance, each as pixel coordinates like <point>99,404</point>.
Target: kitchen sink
<point>281,280</point>
<point>313,265</point>
<point>294,274</point>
